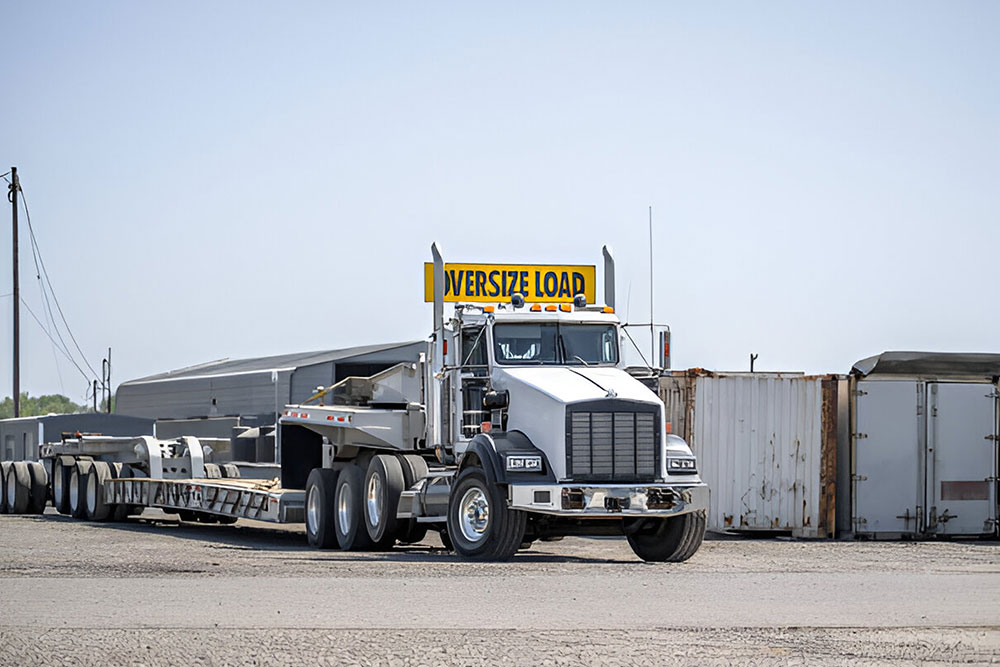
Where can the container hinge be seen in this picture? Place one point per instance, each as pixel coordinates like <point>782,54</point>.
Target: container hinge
<point>859,392</point>
<point>993,437</point>
<point>860,435</point>
<point>858,478</point>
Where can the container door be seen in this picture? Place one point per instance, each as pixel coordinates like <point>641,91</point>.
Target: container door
<point>961,457</point>
<point>888,462</point>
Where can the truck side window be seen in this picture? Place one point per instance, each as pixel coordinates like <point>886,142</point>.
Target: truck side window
<point>474,349</point>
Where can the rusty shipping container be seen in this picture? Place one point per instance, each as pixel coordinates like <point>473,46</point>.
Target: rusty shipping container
<point>766,444</point>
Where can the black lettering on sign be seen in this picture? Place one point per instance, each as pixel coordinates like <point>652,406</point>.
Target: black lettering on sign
<point>524,283</point>
<point>564,284</point>
<point>538,283</point>
<point>468,282</point>
<point>551,283</point>
<point>480,283</point>
<point>512,285</point>
<point>578,284</point>
<point>494,287</point>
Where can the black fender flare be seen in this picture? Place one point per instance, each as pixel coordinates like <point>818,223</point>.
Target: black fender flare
<point>489,450</point>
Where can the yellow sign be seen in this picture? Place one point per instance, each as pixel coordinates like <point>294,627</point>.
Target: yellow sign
<point>496,283</point>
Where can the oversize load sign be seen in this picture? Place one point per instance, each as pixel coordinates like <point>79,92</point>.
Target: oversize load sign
<point>496,283</point>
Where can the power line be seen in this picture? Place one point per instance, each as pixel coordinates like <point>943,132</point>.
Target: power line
<point>44,272</point>
<point>72,361</point>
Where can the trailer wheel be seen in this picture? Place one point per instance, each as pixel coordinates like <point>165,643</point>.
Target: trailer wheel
<point>321,511</point>
<point>62,470</point>
<point>383,486</point>
<point>230,470</point>
<point>349,504</point>
<point>671,540</point>
<point>212,471</point>
<point>39,497</point>
<point>4,467</point>
<point>97,508</point>
<point>78,489</point>
<point>480,524</point>
<point>18,488</point>
<point>409,531</point>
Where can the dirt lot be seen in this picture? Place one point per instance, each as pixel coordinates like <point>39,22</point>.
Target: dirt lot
<point>157,591</point>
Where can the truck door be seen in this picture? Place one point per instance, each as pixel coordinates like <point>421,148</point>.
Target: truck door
<point>961,458</point>
<point>887,446</point>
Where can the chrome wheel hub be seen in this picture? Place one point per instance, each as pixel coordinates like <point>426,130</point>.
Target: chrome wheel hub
<point>312,511</point>
<point>374,501</point>
<point>474,516</point>
<point>344,510</point>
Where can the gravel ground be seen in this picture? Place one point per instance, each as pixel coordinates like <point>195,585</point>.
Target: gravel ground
<point>78,593</point>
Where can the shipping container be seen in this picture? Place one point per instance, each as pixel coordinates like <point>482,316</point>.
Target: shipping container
<point>766,445</point>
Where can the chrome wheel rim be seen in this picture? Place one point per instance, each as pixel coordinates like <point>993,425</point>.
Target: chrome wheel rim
<point>474,518</point>
<point>312,511</point>
<point>344,509</point>
<point>374,500</point>
<point>74,490</point>
<point>57,483</point>
<point>91,493</point>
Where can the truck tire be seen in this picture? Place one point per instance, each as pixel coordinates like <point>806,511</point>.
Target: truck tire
<point>62,470</point>
<point>39,488</point>
<point>187,515</point>
<point>4,467</point>
<point>97,508</point>
<point>230,470</point>
<point>671,540</point>
<point>321,513</point>
<point>383,486</point>
<point>212,471</point>
<point>349,503</point>
<point>408,531</point>
<point>480,524</point>
<point>78,489</point>
<point>18,487</point>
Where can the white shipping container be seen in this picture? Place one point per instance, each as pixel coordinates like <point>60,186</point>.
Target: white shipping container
<point>766,446</point>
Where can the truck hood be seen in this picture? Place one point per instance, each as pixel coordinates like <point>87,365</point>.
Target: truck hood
<point>571,385</point>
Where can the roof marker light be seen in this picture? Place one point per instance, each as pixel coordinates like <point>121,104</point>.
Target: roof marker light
<point>608,309</point>
<point>536,308</point>
<point>488,309</point>
<point>551,308</point>
<point>566,308</point>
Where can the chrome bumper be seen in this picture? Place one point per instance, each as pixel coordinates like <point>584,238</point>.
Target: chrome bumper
<point>608,500</point>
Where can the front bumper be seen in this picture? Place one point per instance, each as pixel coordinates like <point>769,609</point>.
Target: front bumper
<point>608,500</point>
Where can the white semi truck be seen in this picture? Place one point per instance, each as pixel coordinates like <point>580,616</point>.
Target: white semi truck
<point>518,423</point>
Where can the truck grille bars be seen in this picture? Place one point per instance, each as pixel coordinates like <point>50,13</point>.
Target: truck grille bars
<point>612,444</point>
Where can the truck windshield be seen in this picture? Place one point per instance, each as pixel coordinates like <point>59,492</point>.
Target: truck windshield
<point>555,344</point>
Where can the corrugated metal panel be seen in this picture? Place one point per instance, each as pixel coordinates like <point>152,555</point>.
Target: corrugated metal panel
<point>759,440</point>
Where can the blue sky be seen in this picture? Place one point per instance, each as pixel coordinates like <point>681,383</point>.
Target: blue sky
<point>232,179</point>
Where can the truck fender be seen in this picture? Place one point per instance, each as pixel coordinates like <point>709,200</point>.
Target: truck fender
<point>490,450</point>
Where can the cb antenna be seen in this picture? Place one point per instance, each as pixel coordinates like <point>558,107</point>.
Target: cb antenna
<point>652,334</point>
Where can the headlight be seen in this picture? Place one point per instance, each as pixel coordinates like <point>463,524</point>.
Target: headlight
<point>523,463</point>
<point>677,464</point>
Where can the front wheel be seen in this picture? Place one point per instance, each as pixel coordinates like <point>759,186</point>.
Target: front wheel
<point>480,524</point>
<point>671,540</point>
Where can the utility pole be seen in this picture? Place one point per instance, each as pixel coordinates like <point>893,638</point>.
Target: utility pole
<point>14,187</point>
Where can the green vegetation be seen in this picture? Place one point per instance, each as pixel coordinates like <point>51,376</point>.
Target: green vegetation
<point>41,405</point>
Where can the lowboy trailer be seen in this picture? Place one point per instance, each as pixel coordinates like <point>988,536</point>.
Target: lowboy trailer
<point>518,423</point>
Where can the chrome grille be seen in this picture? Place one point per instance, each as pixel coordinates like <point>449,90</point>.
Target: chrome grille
<point>612,445</point>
